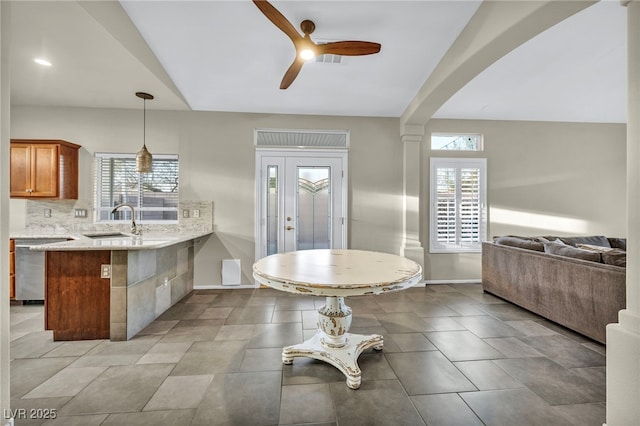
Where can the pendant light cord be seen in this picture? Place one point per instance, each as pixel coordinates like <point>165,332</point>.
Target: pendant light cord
<point>144,123</point>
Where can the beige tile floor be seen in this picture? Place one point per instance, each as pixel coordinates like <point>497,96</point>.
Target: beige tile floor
<point>452,356</point>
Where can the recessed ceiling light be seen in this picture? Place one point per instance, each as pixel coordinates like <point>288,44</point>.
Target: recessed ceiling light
<point>42,62</point>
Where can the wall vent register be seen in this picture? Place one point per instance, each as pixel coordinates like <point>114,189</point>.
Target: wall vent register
<point>265,138</point>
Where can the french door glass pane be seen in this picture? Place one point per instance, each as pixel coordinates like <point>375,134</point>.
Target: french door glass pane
<point>272,210</point>
<point>314,208</point>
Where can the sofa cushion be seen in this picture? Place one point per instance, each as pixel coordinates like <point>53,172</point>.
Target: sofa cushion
<point>619,243</point>
<point>546,238</point>
<point>616,257</point>
<point>520,243</point>
<point>569,251</point>
<point>591,247</point>
<point>596,240</point>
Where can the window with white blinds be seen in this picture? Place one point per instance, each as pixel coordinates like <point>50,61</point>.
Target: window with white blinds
<point>154,196</point>
<point>458,204</point>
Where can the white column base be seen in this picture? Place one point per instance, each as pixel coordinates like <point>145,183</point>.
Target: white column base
<point>623,372</point>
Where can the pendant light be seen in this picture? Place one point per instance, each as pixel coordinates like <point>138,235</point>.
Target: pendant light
<point>144,158</point>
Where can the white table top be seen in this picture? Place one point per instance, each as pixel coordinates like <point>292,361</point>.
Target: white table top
<point>337,272</point>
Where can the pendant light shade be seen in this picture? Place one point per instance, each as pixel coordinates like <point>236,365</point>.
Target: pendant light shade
<point>144,159</point>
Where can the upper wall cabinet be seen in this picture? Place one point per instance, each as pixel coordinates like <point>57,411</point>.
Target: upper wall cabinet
<point>44,169</point>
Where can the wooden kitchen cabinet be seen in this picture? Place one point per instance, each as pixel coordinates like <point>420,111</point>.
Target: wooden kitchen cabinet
<point>44,168</point>
<point>12,269</point>
<point>77,298</point>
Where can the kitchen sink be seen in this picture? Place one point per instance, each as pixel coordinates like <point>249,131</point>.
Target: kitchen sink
<point>100,235</point>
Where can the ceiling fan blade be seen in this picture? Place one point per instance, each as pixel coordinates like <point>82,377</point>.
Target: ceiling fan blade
<point>292,73</point>
<point>278,19</point>
<point>349,48</point>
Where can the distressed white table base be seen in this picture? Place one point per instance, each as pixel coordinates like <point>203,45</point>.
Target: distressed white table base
<point>336,274</point>
<point>333,343</point>
<point>344,359</point>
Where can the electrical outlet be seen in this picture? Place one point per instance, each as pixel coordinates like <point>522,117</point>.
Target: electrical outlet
<point>47,212</point>
<point>196,213</point>
<point>80,213</point>
<point>105,271</point>
<point>185,213</point>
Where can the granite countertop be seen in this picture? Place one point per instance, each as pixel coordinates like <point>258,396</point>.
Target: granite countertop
<point>114,241</point>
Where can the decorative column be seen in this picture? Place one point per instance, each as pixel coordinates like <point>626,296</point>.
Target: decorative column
<point>411,137</point>
<point>623,338</point>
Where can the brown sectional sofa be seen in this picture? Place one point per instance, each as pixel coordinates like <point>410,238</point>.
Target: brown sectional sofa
<point>583,295</point>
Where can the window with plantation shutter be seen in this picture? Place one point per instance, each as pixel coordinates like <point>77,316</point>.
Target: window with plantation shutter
<point>154,195</point>
<point>458,200</point>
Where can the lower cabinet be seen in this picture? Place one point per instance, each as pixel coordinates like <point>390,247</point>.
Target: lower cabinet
<point>77,299</point>
<point>12,269</point>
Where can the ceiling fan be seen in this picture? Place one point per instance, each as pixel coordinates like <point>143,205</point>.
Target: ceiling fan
<point>305,47</point>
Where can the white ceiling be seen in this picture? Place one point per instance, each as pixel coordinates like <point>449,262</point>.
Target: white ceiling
<point>226,56</point>
<point>575,71</point>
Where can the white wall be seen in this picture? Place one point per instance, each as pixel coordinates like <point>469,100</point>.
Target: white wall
<point>543,179</point>
<point>217,157</point>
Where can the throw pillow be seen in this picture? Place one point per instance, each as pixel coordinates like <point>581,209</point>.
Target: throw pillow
<point>520,243</point>
<point>619,243</point>
<point>591,247</point>
<point>616,257</point>
<point>596,240</point>
<point>569,251</point>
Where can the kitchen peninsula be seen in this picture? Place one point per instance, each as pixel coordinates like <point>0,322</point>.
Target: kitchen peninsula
<point>113,285</point>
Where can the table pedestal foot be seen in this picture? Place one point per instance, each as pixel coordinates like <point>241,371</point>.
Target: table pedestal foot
<point>344,358</point>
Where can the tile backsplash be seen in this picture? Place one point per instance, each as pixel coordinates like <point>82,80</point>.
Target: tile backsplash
<point>58,216</point>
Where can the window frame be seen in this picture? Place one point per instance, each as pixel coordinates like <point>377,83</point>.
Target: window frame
<point>458,164</point>
<point>99,208</point>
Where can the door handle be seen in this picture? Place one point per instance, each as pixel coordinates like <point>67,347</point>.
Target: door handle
<point>289,228</point>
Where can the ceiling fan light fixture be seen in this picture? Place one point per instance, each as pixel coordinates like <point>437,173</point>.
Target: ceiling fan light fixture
<point>144,159</point>
<point>307,54</point>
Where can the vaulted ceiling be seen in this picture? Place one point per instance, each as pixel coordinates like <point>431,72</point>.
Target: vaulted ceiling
<point>226,56</point>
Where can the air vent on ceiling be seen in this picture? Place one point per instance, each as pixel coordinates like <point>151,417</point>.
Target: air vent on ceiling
<point>329,58</point>
<point>301,138</point>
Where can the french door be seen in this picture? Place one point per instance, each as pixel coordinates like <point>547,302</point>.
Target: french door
<point>301,200</point>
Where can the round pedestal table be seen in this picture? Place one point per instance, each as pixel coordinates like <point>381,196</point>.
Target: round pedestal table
<point>336,274</point>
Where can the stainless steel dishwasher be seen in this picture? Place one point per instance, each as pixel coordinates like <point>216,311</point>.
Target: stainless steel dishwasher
<point>30,268</point>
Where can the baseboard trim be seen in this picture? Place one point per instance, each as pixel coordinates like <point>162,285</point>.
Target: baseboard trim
<point>222,287</point>
<point>437,282</point>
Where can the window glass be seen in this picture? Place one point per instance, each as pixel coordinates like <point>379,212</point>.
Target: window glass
<point>456,142</point>
<point>154,195</point>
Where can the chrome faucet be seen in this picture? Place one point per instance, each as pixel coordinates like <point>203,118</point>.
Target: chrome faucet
<point>135,230</point>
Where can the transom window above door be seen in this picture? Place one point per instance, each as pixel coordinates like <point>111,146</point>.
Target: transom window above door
<point>456,142</point>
